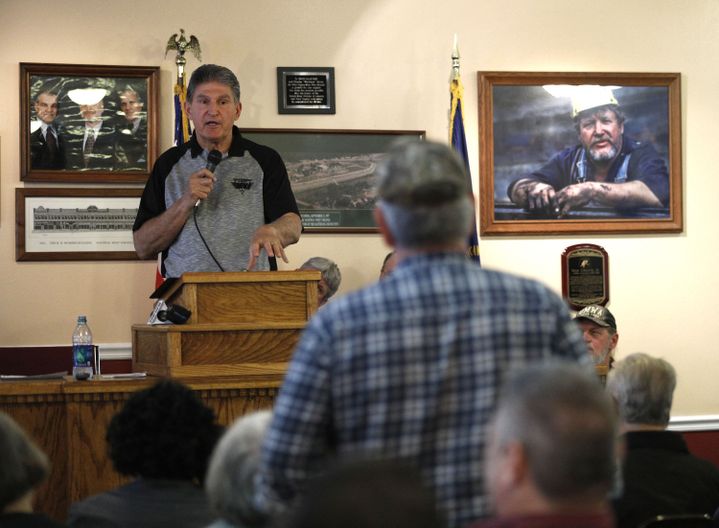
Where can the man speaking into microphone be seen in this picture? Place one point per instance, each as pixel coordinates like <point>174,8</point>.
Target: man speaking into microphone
<point>210,214</point>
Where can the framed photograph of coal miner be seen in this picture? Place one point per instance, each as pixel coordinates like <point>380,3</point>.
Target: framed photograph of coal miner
<point>87,124</point>
<point>332,172</point>
<point>565,153</point>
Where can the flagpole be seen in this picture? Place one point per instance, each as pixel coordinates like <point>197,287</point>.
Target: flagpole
<point>182,45</point>
<point>182,130</point>
<point>457,138</point>
<point>455,59</point>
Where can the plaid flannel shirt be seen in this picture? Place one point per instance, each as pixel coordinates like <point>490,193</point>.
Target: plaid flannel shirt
<point>410,368</point>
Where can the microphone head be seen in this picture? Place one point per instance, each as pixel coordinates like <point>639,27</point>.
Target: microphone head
<point>213,158</point>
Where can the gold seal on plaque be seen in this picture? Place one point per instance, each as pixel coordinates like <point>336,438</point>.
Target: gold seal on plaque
<point>585,275</point>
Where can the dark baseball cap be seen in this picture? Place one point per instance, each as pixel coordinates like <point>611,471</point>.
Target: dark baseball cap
<point>597,314</point>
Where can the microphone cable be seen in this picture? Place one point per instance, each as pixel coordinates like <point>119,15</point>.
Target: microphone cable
<point>194,218</point>
<point>214,157</point>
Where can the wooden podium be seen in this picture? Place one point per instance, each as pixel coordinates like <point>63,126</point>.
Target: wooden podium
<point>68,420</point>
<point>242,324</point>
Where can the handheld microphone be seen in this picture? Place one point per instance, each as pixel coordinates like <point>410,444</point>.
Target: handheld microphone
<point>214,157</point>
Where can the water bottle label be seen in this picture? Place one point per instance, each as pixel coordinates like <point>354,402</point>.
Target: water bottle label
<point>82,355</point>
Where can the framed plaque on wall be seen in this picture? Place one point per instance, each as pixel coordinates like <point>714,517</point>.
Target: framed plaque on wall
<point>305,90</point>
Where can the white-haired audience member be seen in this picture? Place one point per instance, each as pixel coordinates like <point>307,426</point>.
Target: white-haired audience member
<point>230,478</point>
<point>331,277</point>
<point>23,467</point>
<point>660,476</point>
<point>551,450</point>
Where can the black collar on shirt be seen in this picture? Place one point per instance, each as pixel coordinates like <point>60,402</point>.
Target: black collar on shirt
<point>237,147</point>
<point>665,440</point>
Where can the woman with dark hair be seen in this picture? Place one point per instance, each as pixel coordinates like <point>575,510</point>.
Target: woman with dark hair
<point>23,467</point>
<point>163,437</point>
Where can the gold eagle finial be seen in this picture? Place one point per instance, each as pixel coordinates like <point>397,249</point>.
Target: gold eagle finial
<point>182,45</point>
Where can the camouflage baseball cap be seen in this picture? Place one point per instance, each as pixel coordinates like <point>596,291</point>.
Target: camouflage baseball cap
<point>598,314</point>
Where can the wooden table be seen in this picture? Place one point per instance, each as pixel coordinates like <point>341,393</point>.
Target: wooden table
<point>68,420</point>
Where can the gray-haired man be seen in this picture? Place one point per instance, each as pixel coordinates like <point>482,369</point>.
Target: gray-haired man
<point>606,167</point>
<point>331,277</point>
<point>661,477</point>
<point>410,367</point>
<point>552,450</point>
<point>228,220</point>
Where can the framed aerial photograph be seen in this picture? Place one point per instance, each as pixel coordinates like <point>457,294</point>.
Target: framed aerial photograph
<point>306,90</point>
<point>87,124</point>
<point>332,172</point>
<point>75,224</point>
<point>580,153</point>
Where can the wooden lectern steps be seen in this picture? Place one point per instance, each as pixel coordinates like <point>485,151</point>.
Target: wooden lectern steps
<point>240,322</point>
<point>202,350</point>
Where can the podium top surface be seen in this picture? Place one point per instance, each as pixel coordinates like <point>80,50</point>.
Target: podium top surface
<point>249,276</point>
<point>68,388</point>
<point>172,285</point>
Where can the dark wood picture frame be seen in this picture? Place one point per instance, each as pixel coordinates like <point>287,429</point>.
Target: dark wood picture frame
<point>305,90</point>
<point>124,151</point>
<point>332,172</point>
<point>65,222</point>
<point>523,124</point>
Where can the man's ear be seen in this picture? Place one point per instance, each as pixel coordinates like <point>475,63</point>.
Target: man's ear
<point>516,463</point>
<point>506,473</point>
<point>382,226</point>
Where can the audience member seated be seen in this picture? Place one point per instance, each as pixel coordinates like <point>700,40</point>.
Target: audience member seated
<point>367,494</point>
<point>163,436</point>
<point>390,261</point>
<point>551,451</point>
<point>331,277</point>
<point>599,329</point>
<point>660,476</point>
<point>23,467</point>
<point>230,477</point>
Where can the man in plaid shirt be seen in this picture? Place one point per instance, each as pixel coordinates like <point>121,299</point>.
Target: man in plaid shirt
<point>410,368</point>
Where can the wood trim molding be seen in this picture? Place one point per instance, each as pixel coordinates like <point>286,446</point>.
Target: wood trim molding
<point>707,422</point>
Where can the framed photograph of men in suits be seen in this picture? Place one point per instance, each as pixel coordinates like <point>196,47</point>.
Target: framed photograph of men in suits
<point>87,123</point>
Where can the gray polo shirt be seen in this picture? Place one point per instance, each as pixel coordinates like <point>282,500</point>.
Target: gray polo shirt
<point>252,189</point>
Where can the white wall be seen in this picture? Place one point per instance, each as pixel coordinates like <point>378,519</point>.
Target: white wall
<point>392,61</point>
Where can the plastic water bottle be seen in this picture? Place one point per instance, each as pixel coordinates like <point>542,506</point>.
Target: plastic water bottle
<point>82,350</point>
